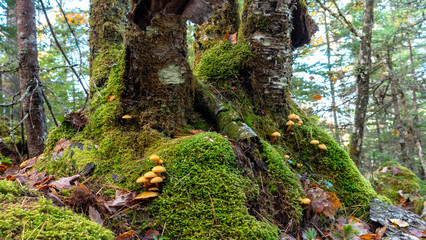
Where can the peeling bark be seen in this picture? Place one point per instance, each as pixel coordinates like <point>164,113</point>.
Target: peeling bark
<point>32,104</point>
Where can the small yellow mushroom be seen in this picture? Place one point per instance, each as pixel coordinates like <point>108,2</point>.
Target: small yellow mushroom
<point>287,156</point>
<point>146,196</point>
<point>293,117</point>
<point>158,170</point>
<point>274,136</point>
<point>155,158</point>
<point>156,180</point>
<point>299,165</point>
<point>143,180</point>
<point>322,146</point>
<point>314,142</point>
<point>305,201</point>
<point>126,116</point>
<point>289,124</point>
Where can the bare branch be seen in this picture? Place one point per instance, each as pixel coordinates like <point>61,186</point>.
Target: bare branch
<point>60,48</point>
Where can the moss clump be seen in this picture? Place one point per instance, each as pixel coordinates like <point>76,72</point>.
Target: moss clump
<point>388,184</point>
<point>223,61</point>
<point>41,220</point>
<point>65,130</point>
<point>205,194</point>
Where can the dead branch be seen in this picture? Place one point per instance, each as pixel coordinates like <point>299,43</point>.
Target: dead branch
<point>60,48</point>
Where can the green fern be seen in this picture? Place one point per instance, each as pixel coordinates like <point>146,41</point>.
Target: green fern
<point>309,234</point>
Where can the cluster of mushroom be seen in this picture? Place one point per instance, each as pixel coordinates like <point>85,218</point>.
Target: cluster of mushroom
<point>320,146</point>
<point>151,179</point>
<point>293,119</point>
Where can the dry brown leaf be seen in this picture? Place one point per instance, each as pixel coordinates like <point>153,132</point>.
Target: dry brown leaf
<point>121,198</point>
<point>335,200</point>
<point>233,38</point>
<point>368,236</point>
<point>95,216</point>
<point>149,235</point>
<point>384,169</point>
<point>380,232</point>
<point>64,183</point>
<point>396,170</point>
<point>125,236</point>
<point>29,163</point>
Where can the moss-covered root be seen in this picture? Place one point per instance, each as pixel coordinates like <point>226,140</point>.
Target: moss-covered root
<point>41,220</point>
<point>205,195</point>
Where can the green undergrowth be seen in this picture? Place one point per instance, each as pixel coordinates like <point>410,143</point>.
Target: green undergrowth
<point>25,216</point>
<point>388,184</point>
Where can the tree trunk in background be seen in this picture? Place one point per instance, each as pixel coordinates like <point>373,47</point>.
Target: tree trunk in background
<point>398,120</point>
<point>10,82</point>
<point>415,133</point>
<point>32,104</point>
<point>332,89</point>
<point>362,84</point>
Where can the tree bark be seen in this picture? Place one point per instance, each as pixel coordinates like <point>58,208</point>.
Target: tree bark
<point>32,104</point>
<point>362,84</point>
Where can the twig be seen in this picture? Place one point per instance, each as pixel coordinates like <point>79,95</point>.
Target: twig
<point>57,97</point>
<point>72,32</point>
<point>36,229</point>
<point>54,68</point>
<point>50,107</point>
<point>17,102</point>
<point>214,212</point>
<point>20,122</point>
<point>60,48</point>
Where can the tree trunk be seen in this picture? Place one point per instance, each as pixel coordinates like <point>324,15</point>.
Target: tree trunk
<point>362,84</point>
<point>332,87</point>
<point>414,130</point>
<point>32,104</point>
<point>398,120</point>
<point>157,71</point>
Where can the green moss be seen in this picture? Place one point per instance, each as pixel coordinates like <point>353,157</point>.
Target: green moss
<point>388,184</point>
<point>223,61</point>
<point>41,220</point>
<point>335,166</point>
<point>279,170</point>
<point>65,130</point>
<point>205,194</point>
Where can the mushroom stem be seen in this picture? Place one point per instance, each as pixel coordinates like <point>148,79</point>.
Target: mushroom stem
<point>288,128</point>
<point>273,139</point>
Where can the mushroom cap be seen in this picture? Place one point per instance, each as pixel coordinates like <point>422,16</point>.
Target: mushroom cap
<point>157,180</point>
<point>314,142</point>
<point>126,116</point>
<point>287,156</point>
<point>293,117</point>
<point>158,169</point>
<point>153,189</point>
<point>300,122</point>
<point>289,123</point>
<point>305,201</point>
<point>154,157</point>
<point>142,179</point>
<point>322,146</point>
<point>276,134</point>
<point>150,174</point>
<point>146,195</point>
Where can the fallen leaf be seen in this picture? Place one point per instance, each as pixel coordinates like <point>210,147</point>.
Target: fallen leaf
<point>64,183</point>
<point>29,163</point>
<point>233,38</point>
<point>368,236</point>
<point>125,236</point>
<point>380,232</point>
<point>121,198</point>
<point>396,170</point>
<point>95,216</point>
<point>334,79</point>
<point>61,145</point>
<point>399,222</point>
<point>226,35</point>
<point>335,200</point>
<point>385,169</point>
<point>149,235</point>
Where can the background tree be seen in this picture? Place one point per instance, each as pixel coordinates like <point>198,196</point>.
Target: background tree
<point>30,84</point>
